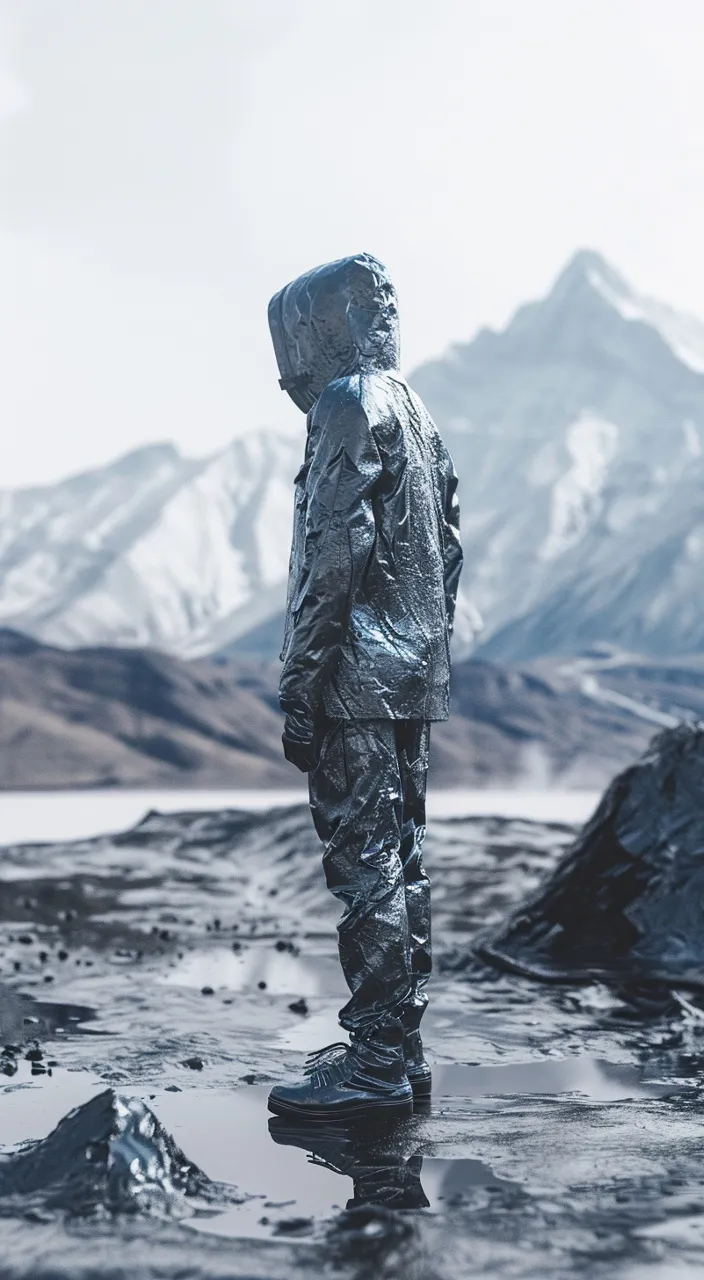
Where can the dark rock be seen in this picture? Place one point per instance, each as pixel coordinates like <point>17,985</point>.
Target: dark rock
<point>299,1006</point>
<point>293,1227</point>
<point>284,944</point>
<point>207,991</point>
<point>34,1055</point>
<point>111,1154</point>
<point>624,903</point>
<point>195,1064</point>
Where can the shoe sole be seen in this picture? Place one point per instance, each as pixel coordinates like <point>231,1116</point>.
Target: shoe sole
<point>396,1107</point>
<point>422,1088</point>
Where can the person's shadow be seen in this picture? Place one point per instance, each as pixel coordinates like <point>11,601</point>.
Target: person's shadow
<point>382,1162</point>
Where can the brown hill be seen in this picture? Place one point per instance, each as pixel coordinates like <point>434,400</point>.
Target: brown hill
<point>138,718</point>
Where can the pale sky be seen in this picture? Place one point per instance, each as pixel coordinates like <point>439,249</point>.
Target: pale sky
<point>166,165</point>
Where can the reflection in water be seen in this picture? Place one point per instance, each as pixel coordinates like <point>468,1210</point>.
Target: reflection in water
<point>380,1175</point>
<point>385,1166</point>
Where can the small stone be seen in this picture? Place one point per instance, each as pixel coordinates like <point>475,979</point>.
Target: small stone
<point>262,986</point>
<point>194,1064</point>
<point>173,1088</point>
<point>207,991</point>
<point>26,939</point>
<point>34,1055</point>
<point>249,1078</point>
<point>62,955</point>
<point>299,1006</point>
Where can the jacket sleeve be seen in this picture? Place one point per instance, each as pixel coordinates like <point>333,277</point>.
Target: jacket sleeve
<point>452,546</point>
<point>339,537</point>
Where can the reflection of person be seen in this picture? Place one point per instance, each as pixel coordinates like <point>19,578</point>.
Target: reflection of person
<point>375,563</point>
<point>381,1175</point>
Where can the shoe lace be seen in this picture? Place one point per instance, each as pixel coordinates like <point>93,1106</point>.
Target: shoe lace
<point>327,1056</point>
<point>326,1065</point>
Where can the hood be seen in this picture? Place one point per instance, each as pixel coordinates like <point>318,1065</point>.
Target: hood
<point>335,320</point>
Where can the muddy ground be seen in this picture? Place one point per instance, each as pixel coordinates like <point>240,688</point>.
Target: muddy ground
<point>190,963</point>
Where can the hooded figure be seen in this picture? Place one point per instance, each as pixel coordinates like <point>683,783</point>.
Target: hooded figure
<point>375,564</point>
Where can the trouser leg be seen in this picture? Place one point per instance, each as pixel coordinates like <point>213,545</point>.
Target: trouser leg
<point>412,742</point>
<point>357,806</point>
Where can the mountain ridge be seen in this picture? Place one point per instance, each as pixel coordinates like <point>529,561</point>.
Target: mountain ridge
<point>578,435</point>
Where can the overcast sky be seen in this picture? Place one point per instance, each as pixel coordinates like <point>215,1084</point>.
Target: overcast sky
<point>166,165</point>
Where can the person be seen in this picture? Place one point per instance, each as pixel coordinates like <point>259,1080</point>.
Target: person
<point>374,569</point>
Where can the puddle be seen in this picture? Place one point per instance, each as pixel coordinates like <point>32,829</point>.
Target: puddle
<point>282,972</point>
<point>589,1077</point>
<point>447,1182</point>
<point>294,1178</point>
<point>23,1018</point>
<point>304,1175</point>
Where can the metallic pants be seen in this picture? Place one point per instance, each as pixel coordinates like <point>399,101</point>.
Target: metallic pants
<point>367,796</point>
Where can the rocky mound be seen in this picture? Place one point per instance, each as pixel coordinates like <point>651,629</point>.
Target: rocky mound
<point>625,901</point>
<point>109,1155</point>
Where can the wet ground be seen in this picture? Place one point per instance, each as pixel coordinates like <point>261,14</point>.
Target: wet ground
<point>190,963</point>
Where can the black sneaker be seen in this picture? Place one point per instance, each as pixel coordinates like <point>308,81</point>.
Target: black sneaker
<point>346,1082</point>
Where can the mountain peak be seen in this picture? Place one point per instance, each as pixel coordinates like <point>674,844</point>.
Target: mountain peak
<point>589,279</point>
<point>591,270</point>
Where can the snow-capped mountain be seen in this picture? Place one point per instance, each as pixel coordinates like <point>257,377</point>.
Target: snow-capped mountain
<point>153,549</point>
<point>578,434</point>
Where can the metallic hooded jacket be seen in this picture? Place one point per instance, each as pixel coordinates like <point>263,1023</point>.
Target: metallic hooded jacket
<point>376,553</point>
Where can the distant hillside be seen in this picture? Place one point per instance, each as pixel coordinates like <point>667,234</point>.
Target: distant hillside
<point>138,718</point>
<point>131,718</point>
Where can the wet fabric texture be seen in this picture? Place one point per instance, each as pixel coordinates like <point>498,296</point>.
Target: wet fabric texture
<point>367,796</point>
<point>376,553</point>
